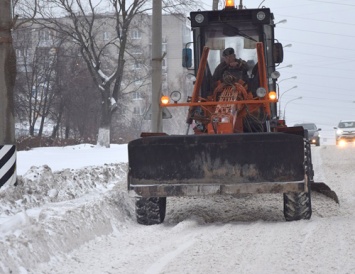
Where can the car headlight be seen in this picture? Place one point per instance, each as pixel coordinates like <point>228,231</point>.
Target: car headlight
<point>339,131</point>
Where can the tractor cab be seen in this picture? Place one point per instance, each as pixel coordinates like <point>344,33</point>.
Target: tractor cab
<point>240,30</point>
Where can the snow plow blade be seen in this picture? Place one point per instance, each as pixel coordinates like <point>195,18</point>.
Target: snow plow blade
<point>189,165</point>
<point>322,188</point>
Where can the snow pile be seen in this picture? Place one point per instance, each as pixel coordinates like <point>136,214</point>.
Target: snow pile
<point>50,212</point>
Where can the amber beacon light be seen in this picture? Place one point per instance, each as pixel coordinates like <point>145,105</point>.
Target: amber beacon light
<point>230,4</point>
<point>272,95</point>
<point>164,100</point>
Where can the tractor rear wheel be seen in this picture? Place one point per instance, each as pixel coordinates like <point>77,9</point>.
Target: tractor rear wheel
<point>150,211</point>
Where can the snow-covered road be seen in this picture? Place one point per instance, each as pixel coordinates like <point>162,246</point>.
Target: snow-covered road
<point>229,235</point>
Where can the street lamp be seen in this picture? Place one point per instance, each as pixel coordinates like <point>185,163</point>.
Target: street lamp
<point>298,98</point>
<point>288,66</point>
<point>281,96</point>
<point>293,77</point>
<point>281,22</point>
<point>288,46</point>
<point>287,91</point>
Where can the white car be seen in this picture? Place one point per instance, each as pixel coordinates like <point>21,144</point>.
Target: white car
<point>345,131</point>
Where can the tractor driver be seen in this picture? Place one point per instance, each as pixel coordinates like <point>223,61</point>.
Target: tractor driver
<point>230,66</point>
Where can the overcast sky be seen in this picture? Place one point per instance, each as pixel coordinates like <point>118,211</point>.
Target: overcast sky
<point>322,54</point>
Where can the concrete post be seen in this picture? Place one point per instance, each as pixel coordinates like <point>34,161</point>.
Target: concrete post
<point>7,83</point>
<point>156,121</point>
<point>7,75</point>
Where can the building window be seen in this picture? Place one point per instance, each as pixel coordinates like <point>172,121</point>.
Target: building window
<point>164,50</point>
<point>137,64</point>
<point>137,52</point>
<point>106,36</point>
<point>164,80</point>
<point>164,63</point>
<point>138,82</point>
<point>164,47</point>
<point>138,110</point>
<point>21,52</point>
<point>44,35</point>
<point>136,34</point>
<point>137,95</point>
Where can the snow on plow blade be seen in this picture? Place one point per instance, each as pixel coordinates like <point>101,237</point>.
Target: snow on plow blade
<point>189,165</point>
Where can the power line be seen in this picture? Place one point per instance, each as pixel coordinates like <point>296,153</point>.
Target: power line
<point>320,32</point>
<point>319,45</point>
<point>318,20</point>
<point>316,55</point>
<point>333,3</point>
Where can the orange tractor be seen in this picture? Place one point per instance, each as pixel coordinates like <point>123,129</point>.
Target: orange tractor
<point>239,144</point>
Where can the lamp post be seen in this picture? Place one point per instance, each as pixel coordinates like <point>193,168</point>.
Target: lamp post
<point>293,77</point>
<point>281,22</point>
<point>288,66</point>
<point>280,96</point>
<point>298,98</point>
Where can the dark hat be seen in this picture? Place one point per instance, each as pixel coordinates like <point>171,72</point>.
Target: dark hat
<point>228,51</point>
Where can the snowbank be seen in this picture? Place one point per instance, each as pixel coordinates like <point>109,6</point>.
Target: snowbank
<point>55,212</point>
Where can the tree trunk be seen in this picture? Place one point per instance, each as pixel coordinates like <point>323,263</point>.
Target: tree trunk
<point>7,75</point>
<point>103,138</point>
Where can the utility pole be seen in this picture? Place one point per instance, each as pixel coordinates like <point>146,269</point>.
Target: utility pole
<point>7,83</point>
<point>157,122</point>
<point>215,4</point>
<point>7,75</point>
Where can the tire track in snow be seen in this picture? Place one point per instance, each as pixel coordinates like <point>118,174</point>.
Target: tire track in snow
<point>163,261</point>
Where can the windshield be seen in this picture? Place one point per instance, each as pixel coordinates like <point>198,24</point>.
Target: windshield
<point>309,126</point>
<point>349,124</point>
<point>242,39</point>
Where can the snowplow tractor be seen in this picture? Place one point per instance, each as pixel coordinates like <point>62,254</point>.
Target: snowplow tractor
<point>235,142</point>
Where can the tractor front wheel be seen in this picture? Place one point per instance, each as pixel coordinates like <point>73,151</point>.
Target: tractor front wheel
<point>297,206</point>
<point>150,211</point>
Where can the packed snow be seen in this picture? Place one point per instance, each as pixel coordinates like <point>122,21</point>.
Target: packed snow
<point>71,213</point>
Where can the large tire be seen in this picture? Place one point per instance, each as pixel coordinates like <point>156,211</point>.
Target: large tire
<point>150,211</point>
<point>298,206</point>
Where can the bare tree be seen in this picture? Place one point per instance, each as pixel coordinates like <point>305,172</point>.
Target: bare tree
<point>77,107</point>
<point>53,87</point>
<point>84,22</point>
<point>35,88</point>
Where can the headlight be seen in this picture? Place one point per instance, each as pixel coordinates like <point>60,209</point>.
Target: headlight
<point>260,15</point>
<point>339,131</point>
<point>175,96</point>
<point>199,18</point>
<point>275,74</point>
<point>261,92</point>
